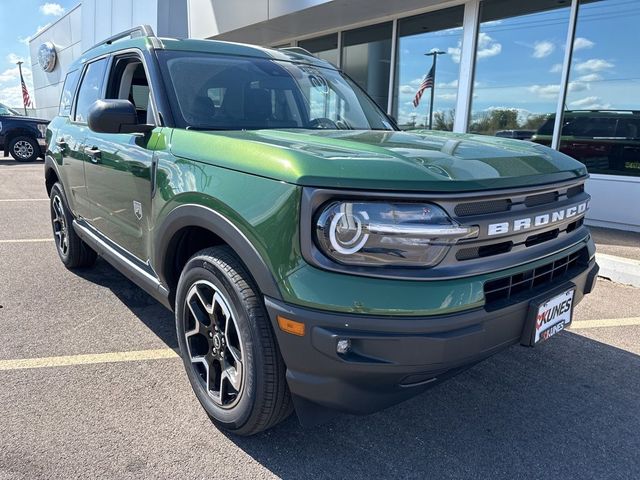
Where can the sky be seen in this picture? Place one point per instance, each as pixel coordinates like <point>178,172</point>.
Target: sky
<point>519,62</point>
<point>21,19</point>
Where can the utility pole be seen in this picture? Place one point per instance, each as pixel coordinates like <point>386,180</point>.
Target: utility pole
<point>433,54</point>
<point>24,104</point>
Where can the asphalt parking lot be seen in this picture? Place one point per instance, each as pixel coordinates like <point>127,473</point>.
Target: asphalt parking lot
<point>91,387</point>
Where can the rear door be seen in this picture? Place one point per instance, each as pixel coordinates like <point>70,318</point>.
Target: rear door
<point>119,173</point>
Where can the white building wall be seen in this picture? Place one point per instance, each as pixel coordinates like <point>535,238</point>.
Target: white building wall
<point>65,35</point>
<point>208,18</point>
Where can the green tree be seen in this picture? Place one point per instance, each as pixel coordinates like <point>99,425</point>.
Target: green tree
<point>443,120</point>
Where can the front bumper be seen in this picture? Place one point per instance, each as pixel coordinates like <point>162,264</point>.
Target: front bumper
<point>394,358</point>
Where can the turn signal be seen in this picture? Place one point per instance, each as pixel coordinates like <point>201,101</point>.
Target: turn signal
<point>291,326</point>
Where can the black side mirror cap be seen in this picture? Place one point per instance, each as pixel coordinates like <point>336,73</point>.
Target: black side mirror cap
<point>115,116</point>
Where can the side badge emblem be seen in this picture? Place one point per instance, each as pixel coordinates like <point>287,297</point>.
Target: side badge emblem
<point>137,209</point>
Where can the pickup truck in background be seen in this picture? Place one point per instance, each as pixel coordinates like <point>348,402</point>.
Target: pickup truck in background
<point>21,136</point>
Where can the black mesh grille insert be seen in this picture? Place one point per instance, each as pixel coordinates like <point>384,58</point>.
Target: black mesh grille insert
<point>483,208</point>
<point>534,200</point>
<point>573,191</point>
<point>484,251</point>
<point>508,289</point>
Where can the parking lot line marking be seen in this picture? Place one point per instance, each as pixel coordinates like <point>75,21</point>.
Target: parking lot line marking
<point>27,240</point>
<point>24,199</point>
<point>88,359</point>
<point>608,322</point>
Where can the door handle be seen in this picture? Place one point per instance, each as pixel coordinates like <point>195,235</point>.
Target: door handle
<point>94,153</point>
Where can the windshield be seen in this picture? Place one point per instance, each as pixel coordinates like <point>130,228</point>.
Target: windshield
<point>4,110</point>
<point>216,92</point>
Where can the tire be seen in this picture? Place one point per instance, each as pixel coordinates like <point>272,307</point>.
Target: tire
<point>24,149</point>
<point>215,288</point>
<point>73,252</point>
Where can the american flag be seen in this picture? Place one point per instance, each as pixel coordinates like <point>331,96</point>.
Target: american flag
<point>426,83</point>
<point>26,99</point>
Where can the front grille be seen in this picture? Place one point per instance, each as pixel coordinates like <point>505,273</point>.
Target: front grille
<point>483,208</point>
<point>535,200</point>
<point>573,191</point>
<point>511,288</point>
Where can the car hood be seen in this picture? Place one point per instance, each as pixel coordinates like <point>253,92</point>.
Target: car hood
<point>381,160</point>
<point>20,118</point>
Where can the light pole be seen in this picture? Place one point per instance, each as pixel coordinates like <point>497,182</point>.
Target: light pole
<point>22,86</point>
<point>433,54</point>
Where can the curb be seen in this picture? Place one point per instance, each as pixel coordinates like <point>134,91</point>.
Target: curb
<point>619,269</point>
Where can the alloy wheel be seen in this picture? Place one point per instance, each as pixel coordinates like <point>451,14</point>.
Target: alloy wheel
<point>60,228</point>
<point>213,343</point>
<point>23,149</point>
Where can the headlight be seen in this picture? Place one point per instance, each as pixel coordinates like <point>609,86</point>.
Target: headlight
<point>387,234</point>
<point>42,128</point>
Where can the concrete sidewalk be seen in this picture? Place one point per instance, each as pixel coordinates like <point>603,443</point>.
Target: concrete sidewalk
<point>618,254</point>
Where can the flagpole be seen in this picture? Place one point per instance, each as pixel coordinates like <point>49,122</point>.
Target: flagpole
<point>21,84</point>
<point>433,54</point>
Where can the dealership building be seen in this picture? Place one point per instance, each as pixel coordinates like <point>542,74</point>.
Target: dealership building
<point>563,72</point>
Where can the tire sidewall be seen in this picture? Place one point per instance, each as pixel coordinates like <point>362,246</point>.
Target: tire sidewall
<point>34,144</point>
<point>235,417</point>
<point>56,190</point>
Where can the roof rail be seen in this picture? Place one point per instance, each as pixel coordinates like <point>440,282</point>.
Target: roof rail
<point>299,51</point>
<point>139,31</point>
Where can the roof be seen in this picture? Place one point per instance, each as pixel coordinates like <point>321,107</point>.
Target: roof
<point>218,47</point>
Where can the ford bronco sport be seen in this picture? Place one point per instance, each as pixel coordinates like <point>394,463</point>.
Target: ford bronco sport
<point>315,256</point>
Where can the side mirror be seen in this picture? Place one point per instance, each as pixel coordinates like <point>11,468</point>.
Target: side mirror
<point>115,116</point>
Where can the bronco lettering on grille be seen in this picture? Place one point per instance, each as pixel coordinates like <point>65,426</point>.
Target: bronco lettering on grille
<point>537,221</point>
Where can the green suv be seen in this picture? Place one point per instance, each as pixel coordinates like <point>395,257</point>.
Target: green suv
<point>316,257</point>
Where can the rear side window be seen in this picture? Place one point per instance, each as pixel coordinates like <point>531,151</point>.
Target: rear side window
<point>66,100</point>
<point>90,88</point>
<point>547,127</point>
<point>629,128</point>
<point>590,127</point>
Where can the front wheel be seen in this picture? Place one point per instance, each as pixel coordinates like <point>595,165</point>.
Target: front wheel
<point>73,252</point>
<point>228,348</point>
<point>24,149</point>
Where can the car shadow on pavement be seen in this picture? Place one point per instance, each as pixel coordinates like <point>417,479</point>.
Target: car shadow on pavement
<point>156,317</point>
<point>565,409</point>
<point>10,162</point>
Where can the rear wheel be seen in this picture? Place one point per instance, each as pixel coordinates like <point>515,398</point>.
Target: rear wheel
<point>24,149</point>
<point>228,348</point>
<point>73,252</point>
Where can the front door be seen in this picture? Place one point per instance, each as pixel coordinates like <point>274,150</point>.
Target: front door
<point>68,142</point>
<point>119,170</point>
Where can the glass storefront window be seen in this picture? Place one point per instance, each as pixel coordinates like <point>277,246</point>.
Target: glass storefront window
<point>434,31</point>
<point>366,57</point>
<point>519,59</point>
<point>601,126</point>
<point>325,47</point>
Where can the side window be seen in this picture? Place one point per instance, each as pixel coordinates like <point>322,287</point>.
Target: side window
<point>128,81</point>
<point>90,88</point>
<point>628,128</point>
<point>69,89</point>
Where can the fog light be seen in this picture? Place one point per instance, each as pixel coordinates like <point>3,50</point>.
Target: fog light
<point>344,346</point>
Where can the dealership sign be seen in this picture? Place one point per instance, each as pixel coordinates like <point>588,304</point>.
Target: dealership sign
<point>47,56</point>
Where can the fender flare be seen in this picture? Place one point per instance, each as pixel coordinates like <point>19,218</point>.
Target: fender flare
<point>49,165</point>
<point>191,215</point>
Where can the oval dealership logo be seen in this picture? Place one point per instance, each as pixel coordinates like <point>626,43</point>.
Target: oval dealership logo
<point>47,56</point>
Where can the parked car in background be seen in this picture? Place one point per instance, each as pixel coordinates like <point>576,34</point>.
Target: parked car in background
<point>21,136</point>
<point>517,134</point>
<point>606,141</point>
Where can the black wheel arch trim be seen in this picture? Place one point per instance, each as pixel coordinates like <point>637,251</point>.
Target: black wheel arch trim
<point>191,215</point>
